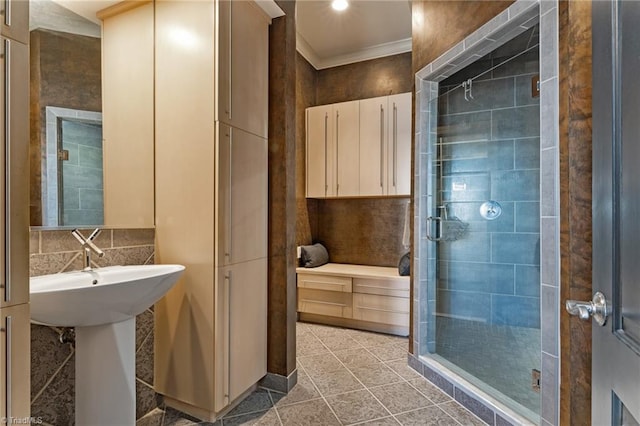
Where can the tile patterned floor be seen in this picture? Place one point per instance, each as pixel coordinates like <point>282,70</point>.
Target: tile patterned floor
<point>345,377</point>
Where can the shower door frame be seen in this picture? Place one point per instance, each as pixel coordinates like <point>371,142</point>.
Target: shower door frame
<point>520,16</point>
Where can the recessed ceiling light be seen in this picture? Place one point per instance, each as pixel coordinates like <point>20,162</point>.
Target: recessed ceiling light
<point>339,5</point>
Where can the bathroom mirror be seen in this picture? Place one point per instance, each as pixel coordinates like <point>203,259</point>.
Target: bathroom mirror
<point>79,176</point>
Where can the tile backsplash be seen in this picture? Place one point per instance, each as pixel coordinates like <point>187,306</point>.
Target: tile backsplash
<point>52,362</point>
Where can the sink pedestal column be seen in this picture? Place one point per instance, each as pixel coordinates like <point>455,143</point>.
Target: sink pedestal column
<point>106,374</point>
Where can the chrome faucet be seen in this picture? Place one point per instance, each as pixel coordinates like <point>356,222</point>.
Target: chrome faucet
<point>88,246</point>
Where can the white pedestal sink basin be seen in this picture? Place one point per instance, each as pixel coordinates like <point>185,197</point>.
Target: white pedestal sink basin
<point>102,305</point>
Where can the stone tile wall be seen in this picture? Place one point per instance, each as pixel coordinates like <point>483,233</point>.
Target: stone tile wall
<point>52,362</point>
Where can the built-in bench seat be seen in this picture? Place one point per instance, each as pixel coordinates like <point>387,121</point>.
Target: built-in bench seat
<point>372,298</point>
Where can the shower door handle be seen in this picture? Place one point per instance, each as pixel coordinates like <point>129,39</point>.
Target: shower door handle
<point>438,235</point>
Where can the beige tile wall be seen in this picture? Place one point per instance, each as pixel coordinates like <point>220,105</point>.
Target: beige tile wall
<point>52,362</point>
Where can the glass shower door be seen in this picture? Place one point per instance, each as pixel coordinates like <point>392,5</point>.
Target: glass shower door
<point>483,262</point>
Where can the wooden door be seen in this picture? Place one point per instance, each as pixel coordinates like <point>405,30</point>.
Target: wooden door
<point>373,145</point>
<point>398,164</point>
<point>319,145</point>
<point>347,138</point>
<point>616,205</point>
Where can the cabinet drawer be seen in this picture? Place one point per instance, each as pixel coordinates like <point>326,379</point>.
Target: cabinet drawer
<point>383,287</point>
<point>324,282</point>
<point>381,309</point>
<point>320,302</point>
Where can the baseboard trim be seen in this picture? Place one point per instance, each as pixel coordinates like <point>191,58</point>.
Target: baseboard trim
<point>279,383</point>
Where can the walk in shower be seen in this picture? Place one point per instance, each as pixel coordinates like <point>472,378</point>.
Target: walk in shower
<point>480,296</point>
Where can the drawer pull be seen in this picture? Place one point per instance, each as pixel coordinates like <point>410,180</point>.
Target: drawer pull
<point>380,287</point>
<point>320,302</point>
<point>381,310</point>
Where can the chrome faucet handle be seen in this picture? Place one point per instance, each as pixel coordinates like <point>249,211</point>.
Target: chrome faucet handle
<point>87,243</point>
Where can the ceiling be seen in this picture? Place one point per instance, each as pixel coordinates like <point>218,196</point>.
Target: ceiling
<point>367,29</point>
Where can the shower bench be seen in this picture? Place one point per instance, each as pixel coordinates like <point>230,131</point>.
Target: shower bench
<point>373,298</point>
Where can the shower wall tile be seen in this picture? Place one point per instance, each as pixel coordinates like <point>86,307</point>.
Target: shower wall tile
<point>549,388</point>
<point>527,281</point>
<point>478,156</point>
<point>549,114</point>
<point>527,153</point>
<point>519,122</point>
<point>528,216</point>
<point>465,127</point>
<point>549,49</point>
<point>475,306</point>
<point>515,311</point>
<point>480,277</point>
<point>549,246</point>
<point>517,185</point>
<point>515,248</point>
<point>473,248</point>
<point>52,363</point>
<point>549,185</point>
<point>549,304</point>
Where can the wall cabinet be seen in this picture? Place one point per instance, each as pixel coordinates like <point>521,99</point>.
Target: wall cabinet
<point>332,150</point>
<point>360,148</point>
<point>14,23</point>
<point>211,155</point>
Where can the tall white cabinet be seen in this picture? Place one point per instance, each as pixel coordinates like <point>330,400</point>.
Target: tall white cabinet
<point>211,90</point>
<point>14,213</point>
<point>360,148</point>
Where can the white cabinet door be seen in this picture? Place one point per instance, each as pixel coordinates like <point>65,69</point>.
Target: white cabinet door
<point>373,142</point>
<point>243,315</point>
<point>15,20</point>
<point>128,120</point>
<point>319,146</point>
<point>347,136</point>
<point>243,66</point>
<point>14,344</point>
<point>242,196</point>
<point>15,154</point>
<point>399,145</point>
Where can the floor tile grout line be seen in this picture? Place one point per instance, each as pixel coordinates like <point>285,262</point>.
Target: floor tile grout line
<point>273,405</point>
<point>429,406</point>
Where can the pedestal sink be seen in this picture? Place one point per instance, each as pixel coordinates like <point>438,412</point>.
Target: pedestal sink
<point>102,305</point>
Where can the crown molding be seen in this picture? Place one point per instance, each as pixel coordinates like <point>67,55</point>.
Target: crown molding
<point>373,52</point>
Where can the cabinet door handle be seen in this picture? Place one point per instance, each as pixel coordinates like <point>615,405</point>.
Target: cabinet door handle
<point>395,142</point>
<point>8,328</point>
<point>326,129</point>
<point>381,145</point>
<point>229,239</point>
<point>7,165</point>
<point>230,64</point>
<point>227,343</point>
<point>337,153</point>
<point>7,12</point>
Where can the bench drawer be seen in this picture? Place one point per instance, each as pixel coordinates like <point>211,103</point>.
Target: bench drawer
<point>381,286</point>
<point>381,309</point>
<point>324,282</point>
<point>321,302</point>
